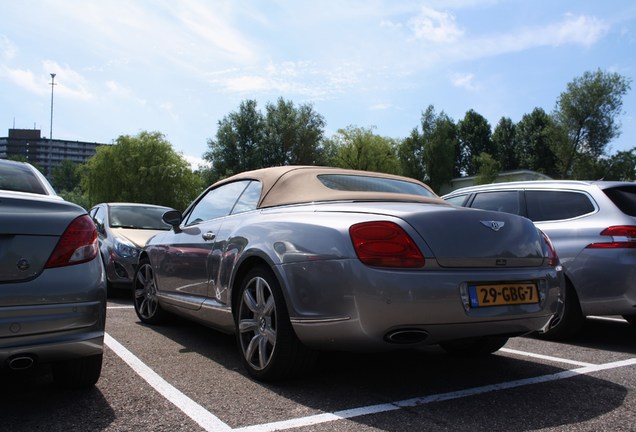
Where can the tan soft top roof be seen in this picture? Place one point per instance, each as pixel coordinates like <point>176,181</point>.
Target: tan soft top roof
<point>300,184</point>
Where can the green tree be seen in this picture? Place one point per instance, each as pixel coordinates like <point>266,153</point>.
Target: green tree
<point>534,135</point>
<point>76,196</point>
<point>504,144</point>
<point>66,176</point>
<point>411,155</point>
<point>620,167</point>
<point>238,143</point>
<point>588,112</point>
<point>474,135</point>
<point>142,168</point>
<point>441,152</point>
<point>488,169</point>
<point>360,148</point>
<point>292,136</point>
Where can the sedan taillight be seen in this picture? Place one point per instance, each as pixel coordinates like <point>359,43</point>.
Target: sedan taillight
<point>385,244</point>
<point>622,236</point>
<point>78,244</point>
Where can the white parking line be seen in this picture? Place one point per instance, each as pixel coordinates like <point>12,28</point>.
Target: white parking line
<point>196,412</point>
<point>545,357</point>
<point>210,422</point>
<point>120,307</point>
<point>375,409</point>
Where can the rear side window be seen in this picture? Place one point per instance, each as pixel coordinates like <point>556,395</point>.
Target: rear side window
<point>458,200</point>
<point>20,179</point>
<point>503,201</point>
<point>624,198</point>
<point>557,205</point>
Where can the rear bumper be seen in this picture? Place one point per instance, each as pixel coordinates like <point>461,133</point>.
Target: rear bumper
<point>605,281</point>
<point>354,307</point>
<point>52,348</point>
<point>59,315</point>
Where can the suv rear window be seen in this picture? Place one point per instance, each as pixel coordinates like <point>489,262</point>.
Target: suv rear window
<point>557,205</point>
<point>624,198</point>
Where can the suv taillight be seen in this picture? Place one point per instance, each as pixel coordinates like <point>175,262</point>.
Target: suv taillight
<point>622,236</point>
<point>78,244</point>
<point>385,244</point>
<point>553,258</point>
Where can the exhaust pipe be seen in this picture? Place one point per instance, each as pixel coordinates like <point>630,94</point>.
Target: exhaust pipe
<point>406,336</point>
<point>21,362</point>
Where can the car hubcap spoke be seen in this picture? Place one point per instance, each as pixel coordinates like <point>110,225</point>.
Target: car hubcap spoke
<point>257,323</point>
<point>145,292</point>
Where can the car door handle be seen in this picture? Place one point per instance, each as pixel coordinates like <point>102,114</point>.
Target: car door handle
<point>208,236</point>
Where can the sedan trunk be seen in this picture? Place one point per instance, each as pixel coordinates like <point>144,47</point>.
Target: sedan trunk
<point>29,231</point>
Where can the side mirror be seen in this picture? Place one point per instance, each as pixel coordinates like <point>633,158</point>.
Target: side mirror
<point>173,218</point>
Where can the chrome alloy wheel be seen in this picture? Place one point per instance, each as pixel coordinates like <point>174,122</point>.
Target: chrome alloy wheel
<point>257,323</point>
<point>146,303</point>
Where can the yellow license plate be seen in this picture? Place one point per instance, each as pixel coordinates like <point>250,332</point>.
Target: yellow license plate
<point>503,294</point>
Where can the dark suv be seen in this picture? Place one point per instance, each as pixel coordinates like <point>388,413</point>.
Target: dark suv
<point>592,225</point>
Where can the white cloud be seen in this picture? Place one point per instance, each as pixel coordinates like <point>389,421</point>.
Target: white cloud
<point>7,49</point>
<point>68,82</point>
<point>581,30</point>
<point>434,26</point>
<point>22,78</point>
<point>465,80</point>
<point>213,24</point>
<point>123,92</point>
<point>571,30</point>
<point>301,78</point>
<point>380,107</point>
<point>196,163</point>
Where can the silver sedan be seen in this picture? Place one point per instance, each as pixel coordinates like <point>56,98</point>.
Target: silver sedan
<point>52,281</point>
<point>299,259</point>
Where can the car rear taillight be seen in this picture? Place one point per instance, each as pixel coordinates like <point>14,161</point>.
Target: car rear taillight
<point>553,258</point>
<point>78,244</point>
<point>622,236</point>
<point>385,244</point>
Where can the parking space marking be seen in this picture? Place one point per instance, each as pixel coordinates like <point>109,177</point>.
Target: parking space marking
<point>196,412</point>
<point>376,409</point>
<point>545,357</point>
<point>120,307</point>
<point>210,422</point>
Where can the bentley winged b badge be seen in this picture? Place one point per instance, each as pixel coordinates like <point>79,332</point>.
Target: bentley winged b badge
<point>493,225</point>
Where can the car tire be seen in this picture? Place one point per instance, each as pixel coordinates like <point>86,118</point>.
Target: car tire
<point>77,373</point>
<point>145,299</point>
<point>269,348</point>
<point>571,321</point>
<point>474,347</point>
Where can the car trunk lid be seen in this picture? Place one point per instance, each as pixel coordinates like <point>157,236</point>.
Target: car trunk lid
<point>29,231</point>
<point>479,238</point>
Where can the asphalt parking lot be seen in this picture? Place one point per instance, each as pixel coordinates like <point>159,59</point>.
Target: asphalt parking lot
<point>185,377</point>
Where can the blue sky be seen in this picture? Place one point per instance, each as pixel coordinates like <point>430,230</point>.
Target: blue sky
<point>178,67</point>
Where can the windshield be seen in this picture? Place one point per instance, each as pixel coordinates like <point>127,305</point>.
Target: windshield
<point>138,217</point>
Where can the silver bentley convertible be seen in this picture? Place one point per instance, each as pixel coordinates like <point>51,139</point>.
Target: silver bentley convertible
<point>297,259</point>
